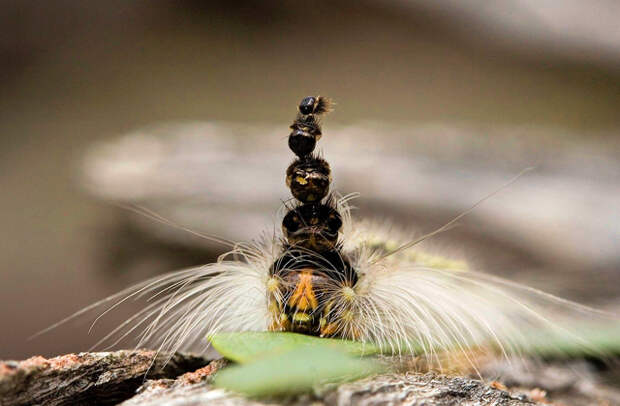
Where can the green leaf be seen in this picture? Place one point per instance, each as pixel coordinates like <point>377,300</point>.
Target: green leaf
<point>295,371</point>
<point>250,346</point>
<point>587,339</point>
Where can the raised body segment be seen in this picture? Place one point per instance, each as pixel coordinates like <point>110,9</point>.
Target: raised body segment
<point>309,178</point>
<point>312,226</point>
<point>312,264</point>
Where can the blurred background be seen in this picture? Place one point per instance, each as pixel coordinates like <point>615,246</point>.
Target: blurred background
<point>183,107</point>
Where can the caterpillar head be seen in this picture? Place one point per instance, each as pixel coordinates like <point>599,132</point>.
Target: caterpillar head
<point>315,105</point>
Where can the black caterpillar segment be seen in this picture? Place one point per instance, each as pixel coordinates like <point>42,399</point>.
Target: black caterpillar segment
<point>307,125</point>
<point>315,105</point>
<point>331,263</point>
<point>301,142</point>
<point>310,124</point>
<point>312,262</point>
<point>312,226</point>
<point>309,178</point>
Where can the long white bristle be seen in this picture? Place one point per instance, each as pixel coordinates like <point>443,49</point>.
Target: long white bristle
<point>406,303</point>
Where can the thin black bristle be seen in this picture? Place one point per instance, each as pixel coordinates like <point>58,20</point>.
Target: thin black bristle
<point>323,105</point>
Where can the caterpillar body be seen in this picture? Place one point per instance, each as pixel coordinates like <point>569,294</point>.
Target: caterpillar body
<point>330,275</point>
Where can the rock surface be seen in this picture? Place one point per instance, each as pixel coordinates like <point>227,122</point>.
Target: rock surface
<point>86,378</point>
<point>143,378</point>
<point>409,389</point>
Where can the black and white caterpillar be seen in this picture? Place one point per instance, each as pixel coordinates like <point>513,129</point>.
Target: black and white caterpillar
<point>330,275</point>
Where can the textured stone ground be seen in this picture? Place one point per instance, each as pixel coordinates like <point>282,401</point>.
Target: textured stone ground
<point>141,378</point>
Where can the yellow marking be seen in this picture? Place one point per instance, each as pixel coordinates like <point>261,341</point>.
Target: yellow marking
<point>356,334</point>
<point>301,180</point>
<point>280,323</point>
<point>348,293</point>
<point>347,315</point>
<point>272,285</point>
<point>303,297</point>
<point>301,317</point>
<point>328,329</point>
<point>285,325</point>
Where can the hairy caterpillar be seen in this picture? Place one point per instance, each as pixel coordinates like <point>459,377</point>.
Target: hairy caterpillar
<point>330,275</point>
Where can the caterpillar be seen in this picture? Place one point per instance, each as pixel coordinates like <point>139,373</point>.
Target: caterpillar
<point>330,275</point>
<point>302,281</point>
